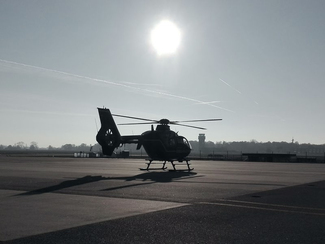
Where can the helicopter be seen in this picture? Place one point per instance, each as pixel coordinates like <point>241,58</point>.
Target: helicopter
<point>161,144</point>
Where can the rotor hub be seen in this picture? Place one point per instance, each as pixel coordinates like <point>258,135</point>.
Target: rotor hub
<point>164,121</point>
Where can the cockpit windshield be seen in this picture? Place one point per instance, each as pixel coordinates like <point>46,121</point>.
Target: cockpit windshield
<point>183,140</point>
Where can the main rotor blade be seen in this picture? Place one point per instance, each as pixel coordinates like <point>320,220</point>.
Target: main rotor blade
<point>143,123</point>
<point>195,127</point>
<point>129,117</point>
<point>195,120</point>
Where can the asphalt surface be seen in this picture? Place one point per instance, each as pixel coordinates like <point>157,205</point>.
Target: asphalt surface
<point>78,200</point>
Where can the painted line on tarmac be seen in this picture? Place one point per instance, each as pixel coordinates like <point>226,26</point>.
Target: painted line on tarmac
<point>239,204</point>
<point>276,205</point>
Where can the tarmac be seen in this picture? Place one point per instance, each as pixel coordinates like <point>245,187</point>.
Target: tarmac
<point>104,200</point>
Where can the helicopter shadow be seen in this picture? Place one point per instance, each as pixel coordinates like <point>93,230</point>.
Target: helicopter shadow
<point>152,177</point>
<point>165,176</point>
<point>148,177</point>
<point>65,184</point>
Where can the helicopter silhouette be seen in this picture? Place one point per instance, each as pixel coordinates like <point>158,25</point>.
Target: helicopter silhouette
<point>161,144</point>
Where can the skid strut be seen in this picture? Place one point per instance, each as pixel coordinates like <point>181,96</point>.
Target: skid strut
<point>172,163</point>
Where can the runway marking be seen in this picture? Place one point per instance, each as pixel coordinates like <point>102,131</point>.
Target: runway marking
<point>276,205</point>
<point>272,171</point>
<point>240,204</point>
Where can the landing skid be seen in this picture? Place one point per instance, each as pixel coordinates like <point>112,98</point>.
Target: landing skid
<point>180,162</point>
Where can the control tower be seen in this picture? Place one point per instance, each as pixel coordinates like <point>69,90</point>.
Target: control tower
<point>201,141</point>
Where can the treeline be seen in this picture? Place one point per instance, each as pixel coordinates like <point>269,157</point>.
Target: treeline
<point>66,147</point>
<point>209,147</point>
<point>253,146</point>
<point>258,147</point>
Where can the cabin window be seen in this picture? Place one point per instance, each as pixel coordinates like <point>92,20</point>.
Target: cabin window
<point>183,140</point>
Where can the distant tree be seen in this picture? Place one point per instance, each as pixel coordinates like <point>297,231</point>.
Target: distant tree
<point>50,147</point>
<point>96,148</point>
<point>20,145</point>
<point>210,144</point>
<point>68,147</point>
<point>9,147</point>
<point>83,147</point>
<point>33,145</point>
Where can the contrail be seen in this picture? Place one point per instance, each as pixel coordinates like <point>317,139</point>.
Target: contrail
<point>141,84</point>
<point>236,89</point>
<point>114,83</point>
<point>68,74</point>
<point>230,86</point>
<point>205,103</point>
<point>185,98</point>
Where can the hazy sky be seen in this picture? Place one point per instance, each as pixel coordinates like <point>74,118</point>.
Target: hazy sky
<point>258,65</point>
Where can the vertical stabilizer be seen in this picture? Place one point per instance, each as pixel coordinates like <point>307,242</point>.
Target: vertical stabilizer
<point>108,136</point>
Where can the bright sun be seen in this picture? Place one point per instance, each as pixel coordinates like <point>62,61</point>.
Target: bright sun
<point>165,37</point>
